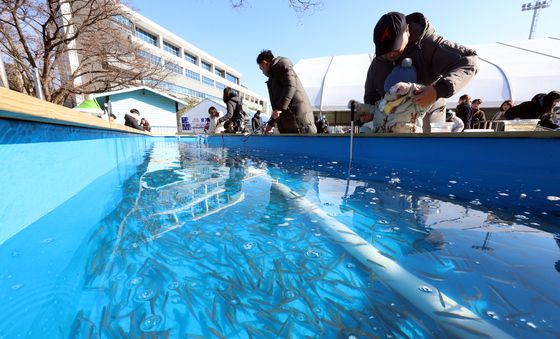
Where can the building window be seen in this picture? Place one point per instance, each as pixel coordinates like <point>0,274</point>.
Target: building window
<point>153,59</point>
<point>206,66</point>
<point>171,49</point>
<point>191,58</point>
<point>232,78</point>
<point>181,90</point>
<point>207,81</point>
<point>174,67</point>
<point>121,20</point>
<point>192,74</point>
<point>219,85</point>
<point>145,36</point>
<point>220,72</point>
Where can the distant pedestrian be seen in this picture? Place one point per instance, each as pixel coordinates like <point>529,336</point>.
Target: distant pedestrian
<point>464,110</point>
<point>478,116</point>
<point>133,119</point>
<point>538,106</point>
<point>458,125</point>
<point>234,111</point>
<point>503,108</point>
<point>291,110</point>
<point>256,122</point>
<point>145,125</point>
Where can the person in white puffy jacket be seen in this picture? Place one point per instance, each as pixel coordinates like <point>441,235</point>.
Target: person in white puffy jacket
<point>458,124</point>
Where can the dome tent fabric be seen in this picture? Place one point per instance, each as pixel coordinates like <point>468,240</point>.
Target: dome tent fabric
<point>507,70</point>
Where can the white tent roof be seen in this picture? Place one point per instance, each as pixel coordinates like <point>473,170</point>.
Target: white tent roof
<point>513,70</point>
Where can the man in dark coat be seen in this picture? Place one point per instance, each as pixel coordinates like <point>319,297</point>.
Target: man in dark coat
<point>256,122</point>
<point>291,110</point>
<point>133,119</point>
<point>442,66</point>
<point>540,105</point>
<point>234,107</point>
<point>464,110</point>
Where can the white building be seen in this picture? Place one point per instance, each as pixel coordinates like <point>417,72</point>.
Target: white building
<point>195,73</point>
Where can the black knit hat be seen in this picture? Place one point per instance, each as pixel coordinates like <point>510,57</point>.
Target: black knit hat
<point>387,34</point>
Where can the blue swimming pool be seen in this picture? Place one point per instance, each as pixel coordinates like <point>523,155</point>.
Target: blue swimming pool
<point>231,237</point>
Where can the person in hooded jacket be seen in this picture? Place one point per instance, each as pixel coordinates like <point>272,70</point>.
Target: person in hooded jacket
<point>291,110</point>
<point>540,105</point>
<point>133,119</point>
<point>234,107</point>
<point>442,66</point>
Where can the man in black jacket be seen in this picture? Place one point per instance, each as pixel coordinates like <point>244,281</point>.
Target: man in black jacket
<point>442,66</point>
<point>464,110</point>
<point>133,119</point>
<point>291,110</point>
<point>540,105</point>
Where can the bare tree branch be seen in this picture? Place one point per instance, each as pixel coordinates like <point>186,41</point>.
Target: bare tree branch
<point>37,33</point>
<point>299,6</point>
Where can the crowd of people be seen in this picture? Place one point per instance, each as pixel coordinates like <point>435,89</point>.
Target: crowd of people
<point>413,73</point>
<point>541,107</point>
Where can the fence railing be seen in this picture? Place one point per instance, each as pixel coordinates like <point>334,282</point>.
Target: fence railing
<point>34,72</point>
<point>164,130</point>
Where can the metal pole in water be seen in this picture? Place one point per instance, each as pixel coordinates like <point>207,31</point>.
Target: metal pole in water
<point>352,110</point>
<point>450,314</point>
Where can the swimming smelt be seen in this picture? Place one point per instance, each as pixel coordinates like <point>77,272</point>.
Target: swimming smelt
<point>185,295</point>
<point>278,267</point>
<point>286,327</point>
<point>308,302</point>
<point>216,333</point>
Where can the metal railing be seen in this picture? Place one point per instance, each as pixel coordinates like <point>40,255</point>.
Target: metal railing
<point>35,73</point>
<point>164,130</point>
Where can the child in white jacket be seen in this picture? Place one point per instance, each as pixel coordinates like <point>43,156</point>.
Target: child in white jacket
<point>214,126</point>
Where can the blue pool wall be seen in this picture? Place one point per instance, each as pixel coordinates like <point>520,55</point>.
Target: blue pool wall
<point>44,165</point>
<point>520,171</point>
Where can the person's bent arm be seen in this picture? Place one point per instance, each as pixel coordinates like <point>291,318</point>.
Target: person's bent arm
<point>230,109</point>
<point>456,64</point>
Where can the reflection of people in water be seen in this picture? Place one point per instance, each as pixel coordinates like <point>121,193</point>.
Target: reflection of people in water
<point>237,170</point>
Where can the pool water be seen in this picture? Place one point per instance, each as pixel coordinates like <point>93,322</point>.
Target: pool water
<point>214,242</point>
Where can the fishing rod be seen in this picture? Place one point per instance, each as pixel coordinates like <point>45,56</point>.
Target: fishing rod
<point>247,135</point>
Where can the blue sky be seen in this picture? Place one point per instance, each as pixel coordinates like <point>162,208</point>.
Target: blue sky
<point>236,36</point>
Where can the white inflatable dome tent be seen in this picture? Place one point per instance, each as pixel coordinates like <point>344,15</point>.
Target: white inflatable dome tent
<point>507,70</point>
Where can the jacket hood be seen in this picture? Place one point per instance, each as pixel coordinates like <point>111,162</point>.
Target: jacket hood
<point>419,27</point>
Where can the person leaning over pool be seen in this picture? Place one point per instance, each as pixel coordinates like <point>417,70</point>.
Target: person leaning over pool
<point>291,110</point>
<point>444,67</point>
